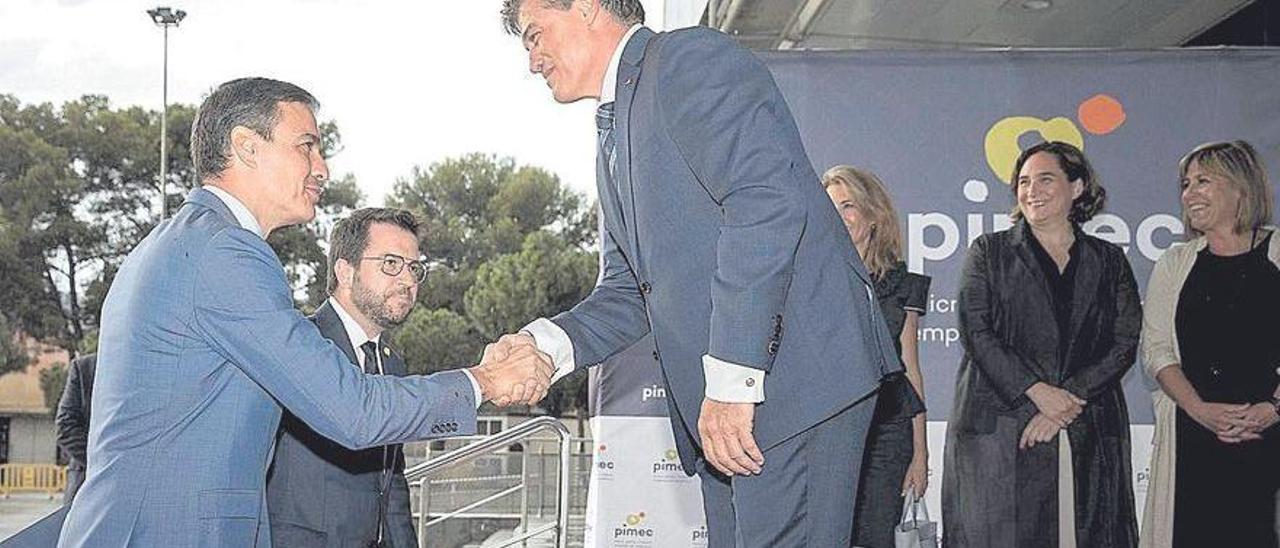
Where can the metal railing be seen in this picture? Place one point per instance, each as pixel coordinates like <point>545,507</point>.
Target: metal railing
<point>421,475</point>
<point>49,478</point>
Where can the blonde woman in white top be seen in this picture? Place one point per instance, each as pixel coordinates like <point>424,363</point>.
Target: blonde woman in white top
<point>1208,338</point>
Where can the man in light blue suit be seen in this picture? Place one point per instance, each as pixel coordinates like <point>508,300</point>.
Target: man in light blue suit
<point>720,241</point>
<point>201,347</point>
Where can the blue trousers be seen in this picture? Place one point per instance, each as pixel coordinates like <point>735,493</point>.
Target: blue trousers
<point>803,497</point>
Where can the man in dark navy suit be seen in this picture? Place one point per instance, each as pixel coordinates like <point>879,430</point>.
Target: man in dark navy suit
<point>320,493</point>
<point>719,241</point>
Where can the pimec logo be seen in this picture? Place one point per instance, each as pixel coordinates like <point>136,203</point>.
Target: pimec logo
<point>1100,115</point>
<point>633,527</point>
<point>698,537</point>
<point>604,464</point>
<point>667,466</point>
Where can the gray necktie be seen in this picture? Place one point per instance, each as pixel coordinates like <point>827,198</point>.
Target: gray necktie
<point>607,153</point>
<point>604,138</point>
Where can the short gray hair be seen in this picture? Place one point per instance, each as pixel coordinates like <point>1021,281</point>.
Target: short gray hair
<point>250,102</point>
<point>627,12</point>
<point>350,236</point>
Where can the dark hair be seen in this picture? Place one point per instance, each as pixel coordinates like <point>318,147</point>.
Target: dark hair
<point>249,102</point>
<point>350,236</point>
<point>1237,162</point>
<point>1077,168</point>
<point>627,12</point>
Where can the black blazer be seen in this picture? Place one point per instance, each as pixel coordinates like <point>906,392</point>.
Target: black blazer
<point>321,494</point>
<point>72,418</point>
<point>1010,338</point>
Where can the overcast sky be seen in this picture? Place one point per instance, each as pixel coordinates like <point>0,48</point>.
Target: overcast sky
<point>413,82</point>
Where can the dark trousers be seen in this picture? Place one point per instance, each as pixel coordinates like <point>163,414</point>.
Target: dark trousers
<point>805,495</point>
<point>890,446</point>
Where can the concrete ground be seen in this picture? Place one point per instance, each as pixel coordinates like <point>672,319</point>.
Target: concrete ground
<point>23,509</point>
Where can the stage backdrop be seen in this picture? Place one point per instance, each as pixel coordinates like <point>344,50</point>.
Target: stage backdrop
<point>942,130</point>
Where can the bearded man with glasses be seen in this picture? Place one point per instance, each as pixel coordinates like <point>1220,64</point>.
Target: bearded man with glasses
<point>320,493</point>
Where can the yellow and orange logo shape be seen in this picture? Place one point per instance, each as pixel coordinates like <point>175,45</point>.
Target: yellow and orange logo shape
<point>1099,115</point>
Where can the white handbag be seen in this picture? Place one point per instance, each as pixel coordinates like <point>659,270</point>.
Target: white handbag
<point>915,530</point>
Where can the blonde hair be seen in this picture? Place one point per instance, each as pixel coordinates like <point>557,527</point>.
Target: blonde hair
<point>884,244</point>
<point>1237,162</point>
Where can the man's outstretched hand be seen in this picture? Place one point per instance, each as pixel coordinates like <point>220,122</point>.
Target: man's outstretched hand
<point>513,371</point>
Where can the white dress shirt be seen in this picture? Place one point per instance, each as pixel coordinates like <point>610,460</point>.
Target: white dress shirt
<point>726,382</point>
<point>356,335</point>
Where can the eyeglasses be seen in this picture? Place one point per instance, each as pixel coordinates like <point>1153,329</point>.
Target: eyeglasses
<point>392,265</point>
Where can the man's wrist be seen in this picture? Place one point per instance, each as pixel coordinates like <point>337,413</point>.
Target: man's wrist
<point>484,380</point>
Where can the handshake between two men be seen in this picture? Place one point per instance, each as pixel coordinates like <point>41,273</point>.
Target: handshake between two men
<point>513,371</point>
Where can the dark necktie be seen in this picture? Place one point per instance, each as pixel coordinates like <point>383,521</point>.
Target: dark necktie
<point>370,349</point>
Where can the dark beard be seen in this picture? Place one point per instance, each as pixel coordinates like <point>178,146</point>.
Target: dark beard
<point>374,306</point>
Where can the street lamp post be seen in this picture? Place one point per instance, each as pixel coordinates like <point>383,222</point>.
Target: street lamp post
<point>165,17</point>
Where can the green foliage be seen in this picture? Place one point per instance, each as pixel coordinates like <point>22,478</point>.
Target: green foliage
<point>434,340</point>
<point>542,279</point>
<point>52,382</point>
<point>12,356</point>
<point>508,244</point>
<point>477,207</point>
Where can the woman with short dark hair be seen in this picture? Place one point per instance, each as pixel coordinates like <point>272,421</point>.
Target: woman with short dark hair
<point>1037,450</point>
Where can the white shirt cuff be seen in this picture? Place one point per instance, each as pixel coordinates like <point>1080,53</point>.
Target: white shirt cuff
<point>555,343</point>
<point>475,387</point>
<point>732,383</point>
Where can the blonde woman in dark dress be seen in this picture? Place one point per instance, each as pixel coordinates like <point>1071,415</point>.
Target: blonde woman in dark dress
<point>896,458</point>
<point>1209,339</point>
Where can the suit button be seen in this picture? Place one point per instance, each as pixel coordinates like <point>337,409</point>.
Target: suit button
<point>646,288</point>
<point>772,348</point>
<point>655,355</point>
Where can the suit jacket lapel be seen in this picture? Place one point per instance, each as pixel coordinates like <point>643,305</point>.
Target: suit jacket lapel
<point>326,318</point>
<point>1022,243</point>
<point>628,76</point>
<point>1088,275</point>
<point>1021,238</point>
<point>392,364</point>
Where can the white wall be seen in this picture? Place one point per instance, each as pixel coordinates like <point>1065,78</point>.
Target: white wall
<point>32,439</point>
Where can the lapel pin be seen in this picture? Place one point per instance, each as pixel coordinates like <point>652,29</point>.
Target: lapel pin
<point>386,351</point>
